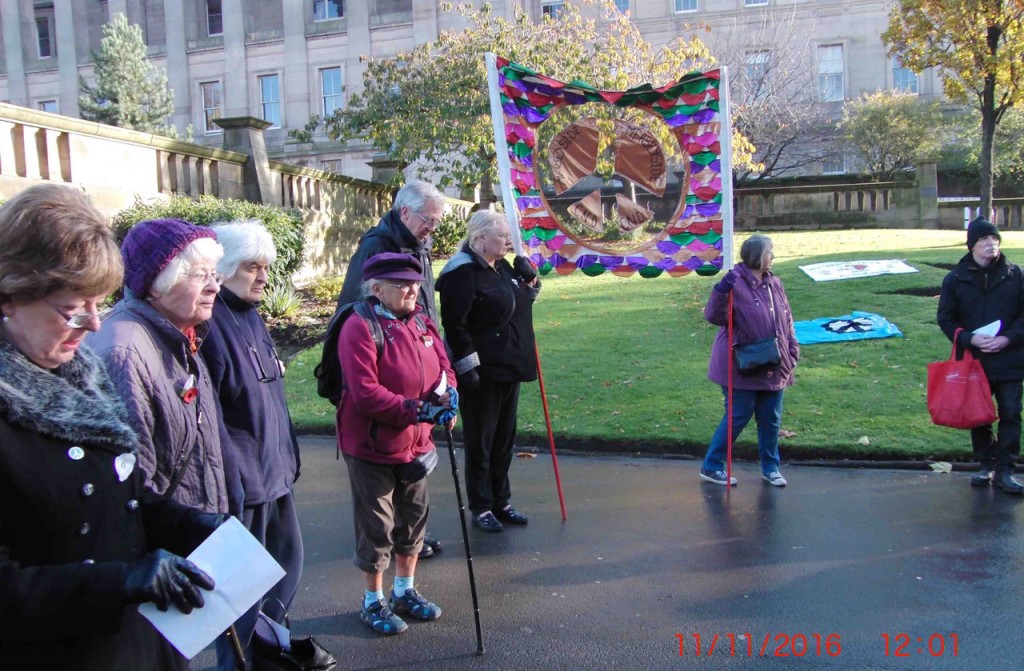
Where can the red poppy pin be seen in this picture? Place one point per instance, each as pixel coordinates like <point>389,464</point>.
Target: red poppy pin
<point>189,391</point>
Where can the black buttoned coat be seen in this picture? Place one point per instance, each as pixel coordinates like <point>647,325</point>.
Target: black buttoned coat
<point>69,525</point>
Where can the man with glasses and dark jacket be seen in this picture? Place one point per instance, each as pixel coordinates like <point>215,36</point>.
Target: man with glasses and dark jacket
<point>405,229</point>
<point>261,452</point>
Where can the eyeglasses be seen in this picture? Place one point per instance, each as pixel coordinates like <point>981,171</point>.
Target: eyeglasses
<point>431,222</point>
<point>404,286</point>
<point>204,277</point>
<point>257,361</point>
<point>81,319</point>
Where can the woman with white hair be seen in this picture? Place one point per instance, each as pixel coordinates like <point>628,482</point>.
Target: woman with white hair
<point>150,345</point>
<point>487,313</point>
<point>260,450</point>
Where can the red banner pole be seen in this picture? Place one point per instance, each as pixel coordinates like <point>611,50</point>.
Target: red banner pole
<point>728,405</point>
<point>551,435</point>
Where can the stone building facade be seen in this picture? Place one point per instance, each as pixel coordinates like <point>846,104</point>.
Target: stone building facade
<point>284,60</point>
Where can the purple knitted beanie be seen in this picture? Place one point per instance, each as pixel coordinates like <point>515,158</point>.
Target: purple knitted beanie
<point>152,244</point>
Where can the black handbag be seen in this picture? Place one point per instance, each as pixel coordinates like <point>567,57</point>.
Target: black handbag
<point>756,355</point>
<point>753,356</point>
<point>418,468</point>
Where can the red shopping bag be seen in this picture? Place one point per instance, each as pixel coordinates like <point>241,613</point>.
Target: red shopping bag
<point>958,392</point>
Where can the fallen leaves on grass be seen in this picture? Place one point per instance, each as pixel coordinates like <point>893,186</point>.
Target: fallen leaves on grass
<point>783,433</point>
<point>864,440</point>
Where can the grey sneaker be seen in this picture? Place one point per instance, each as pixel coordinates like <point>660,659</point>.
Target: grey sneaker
<point>716,477</point>
<point>774,479</point>
<point>378,616</point>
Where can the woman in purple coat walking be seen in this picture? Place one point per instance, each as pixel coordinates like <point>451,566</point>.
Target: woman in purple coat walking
<point>760,310</point>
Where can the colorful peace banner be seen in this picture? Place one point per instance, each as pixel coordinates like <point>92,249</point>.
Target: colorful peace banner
<point>695,111</point>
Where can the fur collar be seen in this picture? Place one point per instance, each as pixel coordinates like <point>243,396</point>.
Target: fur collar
<point>75,402</point>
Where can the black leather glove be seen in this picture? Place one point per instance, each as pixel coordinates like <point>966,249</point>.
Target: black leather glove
<point>164,578</point>
<point>524,267</point>
<point>469,380</point>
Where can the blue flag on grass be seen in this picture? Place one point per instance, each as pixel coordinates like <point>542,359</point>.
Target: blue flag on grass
<point>856,326</point>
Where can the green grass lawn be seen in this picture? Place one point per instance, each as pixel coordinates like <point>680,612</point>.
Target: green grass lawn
<point>625,359</point>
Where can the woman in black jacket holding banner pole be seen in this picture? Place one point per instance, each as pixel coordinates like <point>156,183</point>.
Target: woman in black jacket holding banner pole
<point>487,314</point>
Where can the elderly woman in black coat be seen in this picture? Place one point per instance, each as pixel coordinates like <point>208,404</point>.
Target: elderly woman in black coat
<point>79,532</point>
<point>487,313</point>
<point>261,453</point>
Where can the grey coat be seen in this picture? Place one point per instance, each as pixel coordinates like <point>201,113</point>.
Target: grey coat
<point>149,360</point>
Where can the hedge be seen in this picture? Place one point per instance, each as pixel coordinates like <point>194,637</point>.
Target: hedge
<point>285,225</point>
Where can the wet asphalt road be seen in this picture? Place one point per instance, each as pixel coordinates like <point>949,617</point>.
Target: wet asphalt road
<point>839,559</point>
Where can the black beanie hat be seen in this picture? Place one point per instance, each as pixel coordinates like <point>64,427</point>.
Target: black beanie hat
<point>978,229</point>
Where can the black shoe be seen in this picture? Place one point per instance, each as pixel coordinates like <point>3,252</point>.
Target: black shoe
<point>433,541</point>
<point>510,515</point>
<point>305,655</point>
<point>1008,483</point>
<point>425,551</point>
<point>982,479</point>
<point>487,522</point>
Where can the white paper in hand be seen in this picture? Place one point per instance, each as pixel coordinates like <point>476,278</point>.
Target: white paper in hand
<point>990,330</point>
<point>243,571</point>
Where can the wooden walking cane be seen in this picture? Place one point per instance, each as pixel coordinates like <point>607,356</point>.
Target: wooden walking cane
<point>551,435</point>
<point>728,404</point>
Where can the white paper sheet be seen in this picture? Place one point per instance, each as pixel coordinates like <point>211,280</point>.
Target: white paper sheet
<point>243,571</point>
<point>990,330</point>
<point>846,270</point>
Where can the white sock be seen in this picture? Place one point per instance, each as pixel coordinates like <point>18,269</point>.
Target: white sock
<point>402,584</point>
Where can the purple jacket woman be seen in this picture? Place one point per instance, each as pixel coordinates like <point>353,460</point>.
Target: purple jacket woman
<point>760,310</point>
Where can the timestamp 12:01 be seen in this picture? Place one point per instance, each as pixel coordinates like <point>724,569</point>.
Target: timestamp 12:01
<point>935,645</point>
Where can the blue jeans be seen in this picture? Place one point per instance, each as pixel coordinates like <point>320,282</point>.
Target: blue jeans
<point>766,408</point>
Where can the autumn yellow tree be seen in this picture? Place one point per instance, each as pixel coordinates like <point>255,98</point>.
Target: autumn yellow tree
<point>976,46</point>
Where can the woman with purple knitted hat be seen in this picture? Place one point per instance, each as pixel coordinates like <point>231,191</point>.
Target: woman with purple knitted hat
<point>150,344</point>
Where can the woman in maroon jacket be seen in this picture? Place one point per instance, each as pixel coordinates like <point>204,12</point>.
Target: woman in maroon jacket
<point>760,310</point>
<point>393,395</point>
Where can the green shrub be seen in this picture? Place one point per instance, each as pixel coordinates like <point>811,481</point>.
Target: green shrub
<point>280,301</point>
<point>449,232</point>
<point>285,225</point>
<point>326,288</point>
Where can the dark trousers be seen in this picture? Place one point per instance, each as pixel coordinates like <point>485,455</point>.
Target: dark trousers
<point>489,431</point>
<point>999,450</point>
<point>276,526</point>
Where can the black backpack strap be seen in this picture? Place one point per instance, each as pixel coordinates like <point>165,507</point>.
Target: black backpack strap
<point>365,310</point>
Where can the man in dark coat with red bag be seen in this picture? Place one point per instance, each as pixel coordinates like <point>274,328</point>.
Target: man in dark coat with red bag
<point>984,288</point>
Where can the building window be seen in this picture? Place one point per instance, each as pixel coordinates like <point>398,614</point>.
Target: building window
<point>830,72</point>
<point>324,10</point>
<point>754,3</point>
<point>212,106</point>
<point>551,8</point>
<point>333,165</point>
<point>757,74</point>
<point>622,5</point>
<point>214,18</point>
<point>270,99</point>
<point>49,106</point>
<point>834,164</point>
<point>686,6</point>
<point>44,35</point>
<point>331,88</point>
<point>903,79</point>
